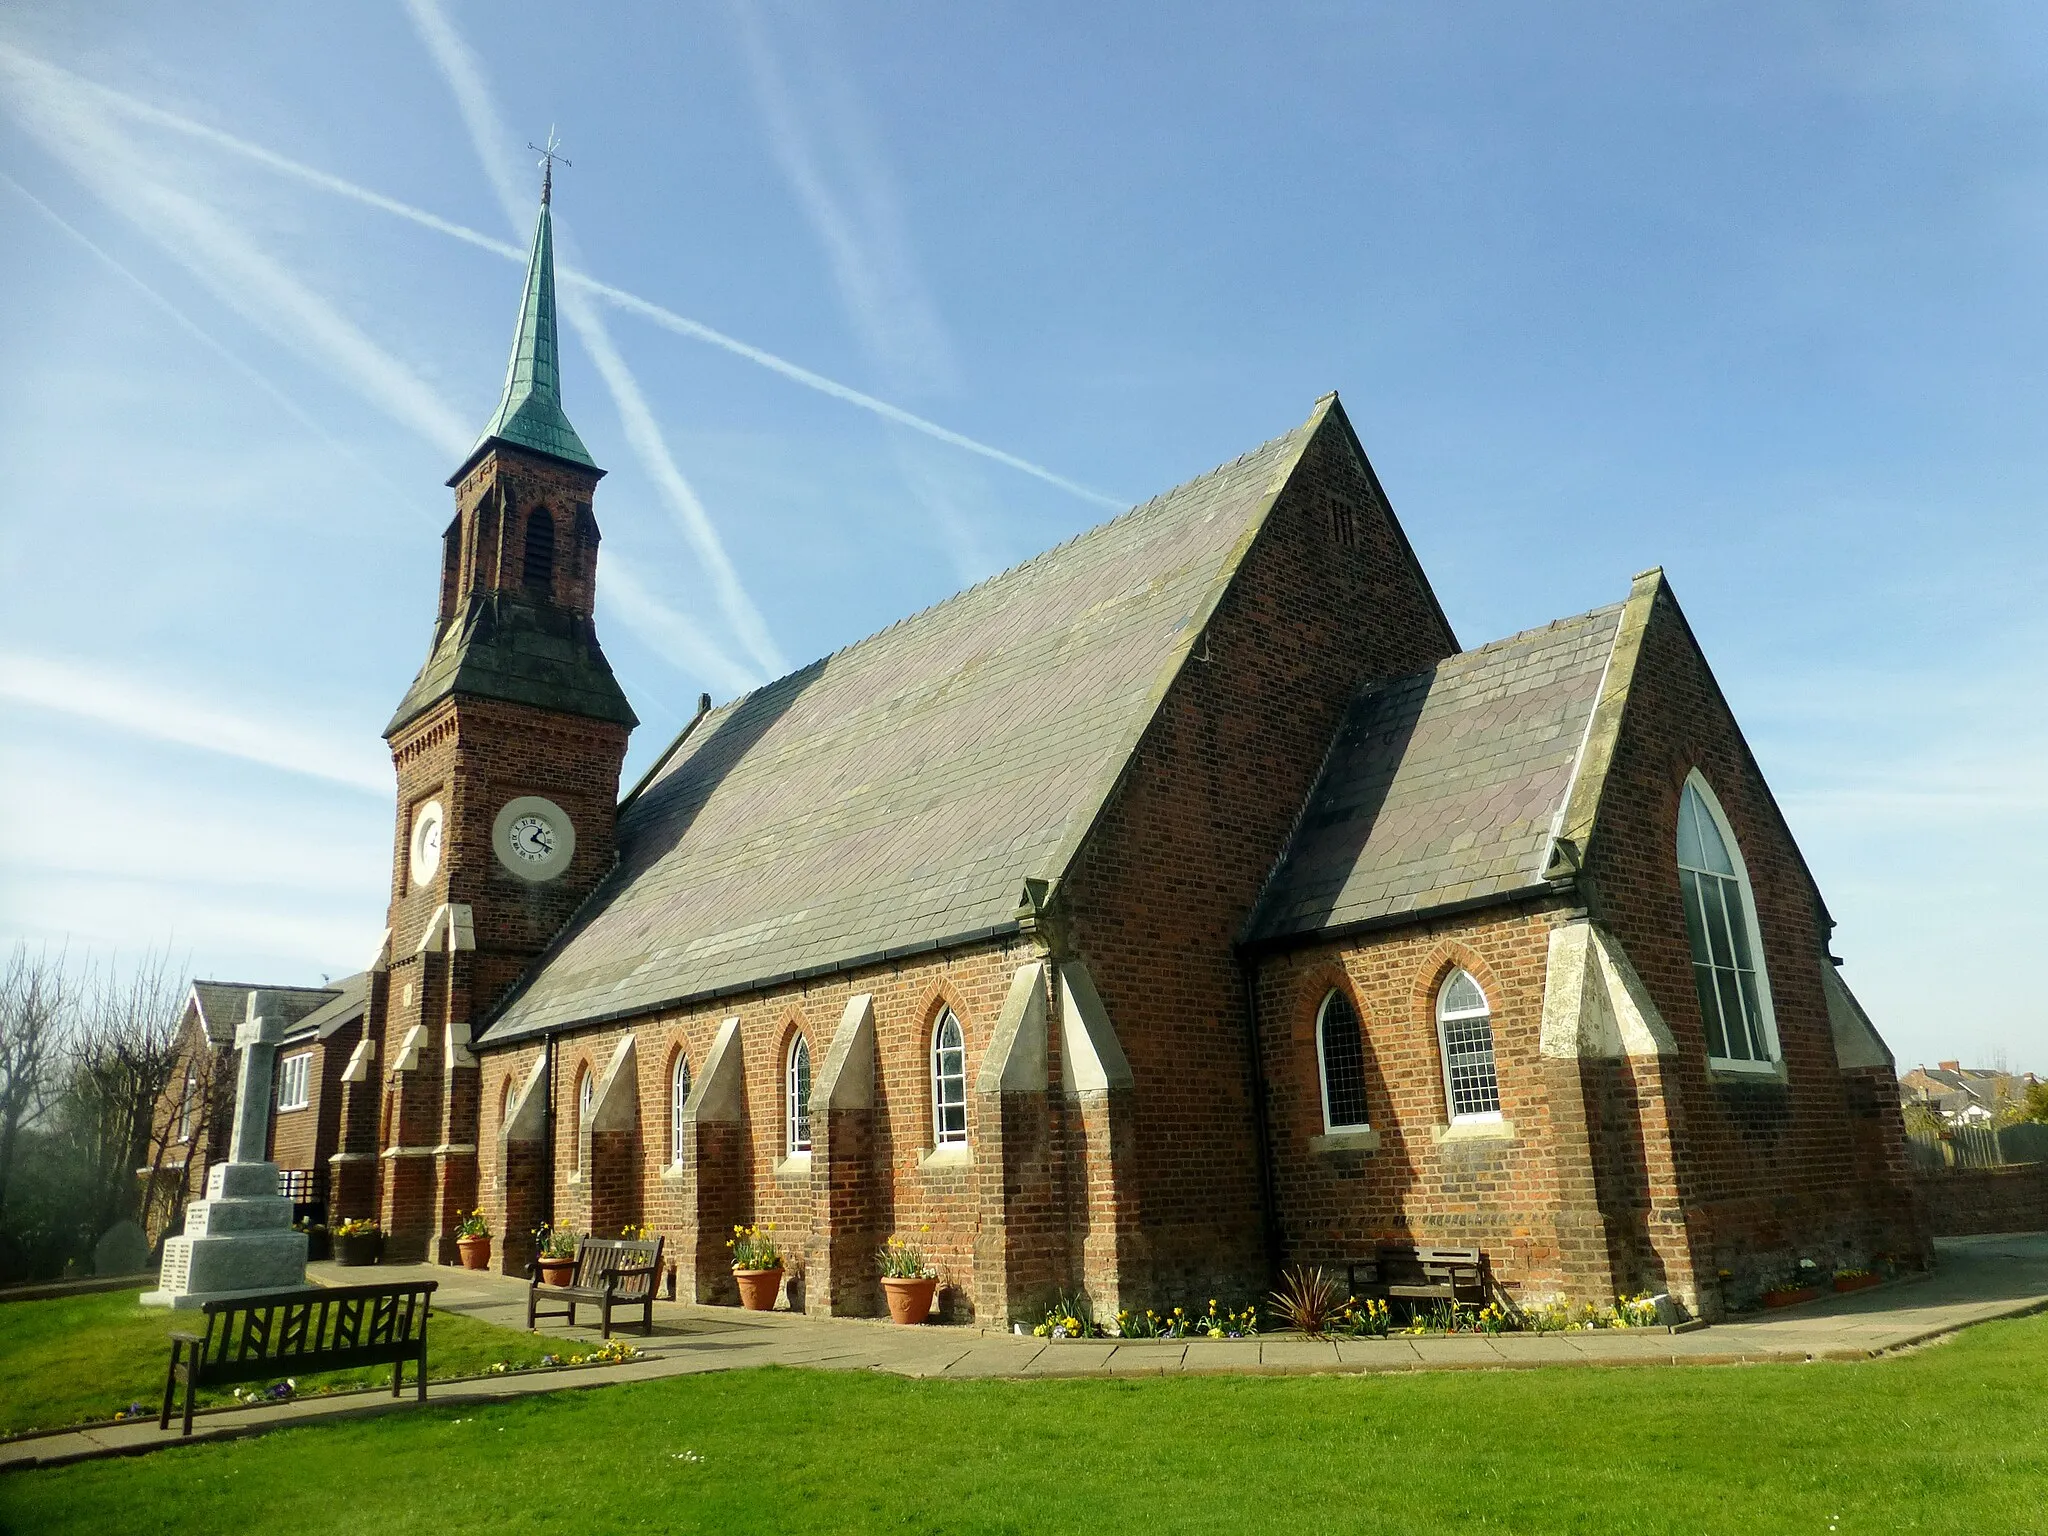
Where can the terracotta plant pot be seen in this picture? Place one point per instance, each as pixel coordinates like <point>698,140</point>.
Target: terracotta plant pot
<point>557,1271</point>
<point>1790,1296</point>
<point>1856,1282</point>
<point>759,1288</point>
<point>362,1248</point>
<point>910,1301</point>
<point>476,1251</point>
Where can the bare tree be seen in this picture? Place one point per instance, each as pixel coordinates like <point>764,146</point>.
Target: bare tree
<point>122,1053</point>
<point>37,996</point>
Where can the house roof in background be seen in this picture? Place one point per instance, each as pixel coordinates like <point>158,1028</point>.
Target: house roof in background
<point>223,1005</point>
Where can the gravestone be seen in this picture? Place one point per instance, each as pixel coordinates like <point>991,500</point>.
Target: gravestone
<point>123,1249</point>
<point>239,1240</point>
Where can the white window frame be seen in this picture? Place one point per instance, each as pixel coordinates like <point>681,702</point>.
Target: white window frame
<point>1767,1015</point>
<point>295,1082</point>
<point>796,1137</point>
<point>185,1104</point>
<point>1443,1048</point>
<point>1323,1065</point>
<point>942,1135</point>
<point>678,1096</point>
<point>586,1099</point>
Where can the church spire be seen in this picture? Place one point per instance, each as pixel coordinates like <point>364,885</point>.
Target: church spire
<point>529,413</point>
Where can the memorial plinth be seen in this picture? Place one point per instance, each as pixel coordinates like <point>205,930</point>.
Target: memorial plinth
<point>238,1241</point>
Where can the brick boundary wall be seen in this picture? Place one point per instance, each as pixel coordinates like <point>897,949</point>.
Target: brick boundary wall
<point>1965,1202</point>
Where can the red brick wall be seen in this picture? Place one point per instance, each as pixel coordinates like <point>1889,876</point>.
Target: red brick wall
<point>1169,876</point>
<point>1962,1202</point>
<point>1500,1196</point>
<point>1768,1171</point>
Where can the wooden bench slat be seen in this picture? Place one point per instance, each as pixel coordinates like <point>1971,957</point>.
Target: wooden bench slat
<point>611,1272</point>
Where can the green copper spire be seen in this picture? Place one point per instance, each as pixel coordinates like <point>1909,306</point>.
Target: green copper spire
<point>530,413</point>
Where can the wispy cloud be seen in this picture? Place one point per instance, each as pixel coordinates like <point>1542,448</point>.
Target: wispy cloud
<point>198,333</point>
<point>820,137</point>
<point>75,127</point>
<point>668,632</point>
<point>490,137</point>
<point>148,709</point>
<point>571,277</point>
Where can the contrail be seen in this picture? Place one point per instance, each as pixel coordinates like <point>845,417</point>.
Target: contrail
<point>200,334</point>
<point>463,72</point>
<point>647,309</point>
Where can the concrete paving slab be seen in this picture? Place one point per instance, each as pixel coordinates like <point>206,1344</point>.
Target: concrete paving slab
<point>1294,1354</point>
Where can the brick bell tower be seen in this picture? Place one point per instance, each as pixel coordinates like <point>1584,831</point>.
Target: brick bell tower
<point>508,746</point>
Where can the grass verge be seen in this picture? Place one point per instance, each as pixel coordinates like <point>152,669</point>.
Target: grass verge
<point>87,1357</point>
<point>1945,1439</point>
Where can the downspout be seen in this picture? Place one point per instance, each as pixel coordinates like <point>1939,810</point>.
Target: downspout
<point>1269,1207</point>
<point>547,1046</point>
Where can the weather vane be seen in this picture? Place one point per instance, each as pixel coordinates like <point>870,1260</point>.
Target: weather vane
<point>549,153</point>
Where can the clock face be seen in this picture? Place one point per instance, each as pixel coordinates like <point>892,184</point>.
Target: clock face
<point>428,823</point>
<point>533,838</point>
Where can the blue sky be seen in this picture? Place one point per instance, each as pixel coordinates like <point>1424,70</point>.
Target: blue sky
<point>882,299</point>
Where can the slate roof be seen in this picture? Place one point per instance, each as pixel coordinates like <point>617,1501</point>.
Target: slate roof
<point>1443,787</point>
<point>223,1005</point>
<point>506,646</point>
<point>345,1004</point>
<point>897,795</point>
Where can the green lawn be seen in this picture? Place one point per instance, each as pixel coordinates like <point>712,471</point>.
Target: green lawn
<point>87,1357</point>
<point>1950,1438</point>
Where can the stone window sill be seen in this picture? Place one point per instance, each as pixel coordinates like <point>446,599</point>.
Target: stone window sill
<point>1350,1138</point>
<point>1474,1130</point>
<point>575,1179</point>
<point>795,1166</point>
<point>955,1156</point>
<point>670,1172</point>
<point>1746,1071</point>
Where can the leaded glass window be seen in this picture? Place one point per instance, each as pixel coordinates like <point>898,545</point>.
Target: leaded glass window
<point>798,1093</point>
<point>1720,926</point>
<point>1464,1023</point>
<point>678,1096</point>
<point>949,1083</point>
<point>1340,1053</point>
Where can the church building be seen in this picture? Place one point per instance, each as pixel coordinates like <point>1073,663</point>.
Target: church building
<point>1178,906</point>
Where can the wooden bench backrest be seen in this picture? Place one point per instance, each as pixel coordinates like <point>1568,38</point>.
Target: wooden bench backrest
<point>1445,1263</point>
<point>286,1329</point>
<point>597,1256</point>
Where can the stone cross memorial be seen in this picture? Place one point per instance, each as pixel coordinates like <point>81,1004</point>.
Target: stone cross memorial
<point>239,1240</point>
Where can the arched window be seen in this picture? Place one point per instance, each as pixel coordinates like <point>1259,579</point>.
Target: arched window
<point>797,1094</point>
<point>538,572</point>
<point>504,1100</point>
<point>586,1092</point>
<point>1464,1027</point>
<point>949,1082</point>
<point>678,1096</point>
<point>1720,924</point>
<point>1340,1056</point>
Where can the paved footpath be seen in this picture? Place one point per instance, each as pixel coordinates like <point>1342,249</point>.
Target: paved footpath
<point>1977,1278</point>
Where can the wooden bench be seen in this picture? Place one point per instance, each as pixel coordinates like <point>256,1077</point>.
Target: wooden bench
<point>298,1332</point>
<point>611,1272</point>
<point>1456,1275</point>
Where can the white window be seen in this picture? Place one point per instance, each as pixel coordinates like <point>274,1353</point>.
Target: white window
<point>186,1104</point>
<point>1720,925</point>
<point>1464,1026</point>
<point>1340,1060</point>
<point>678,1096</point>
<point>797,1096</point>
<point>949,1082</point>
<point>294,1079</point>
<point>586,1093</point>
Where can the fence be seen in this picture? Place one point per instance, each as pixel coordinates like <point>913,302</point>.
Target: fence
<point>1979,1146</point>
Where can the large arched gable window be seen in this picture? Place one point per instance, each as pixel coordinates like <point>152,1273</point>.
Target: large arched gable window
<point>678,1096</point>
<point>1720,925</point>
<point>1464,1027</point>
<point>949,1082</point>
<point>1340,1061</point>
<point>796,1093</point>
<point>537,571</point>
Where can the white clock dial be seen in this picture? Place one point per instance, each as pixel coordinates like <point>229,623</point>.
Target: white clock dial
<point>427,825</point>
<point>533,838</point>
